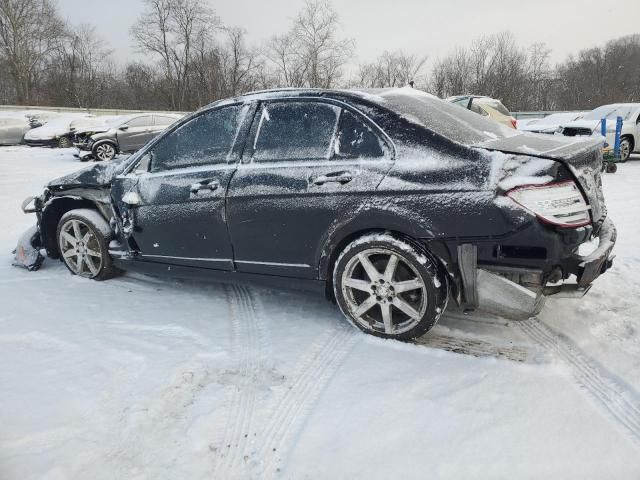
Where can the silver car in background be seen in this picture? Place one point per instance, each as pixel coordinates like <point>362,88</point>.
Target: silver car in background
<point>12,130</point>
<point>126,134</point>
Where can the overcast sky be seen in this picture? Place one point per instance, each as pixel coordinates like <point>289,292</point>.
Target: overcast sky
<point>417,26</point>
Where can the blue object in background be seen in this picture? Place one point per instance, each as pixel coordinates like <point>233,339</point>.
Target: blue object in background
<point>603,129</point>
<point>616,144</point>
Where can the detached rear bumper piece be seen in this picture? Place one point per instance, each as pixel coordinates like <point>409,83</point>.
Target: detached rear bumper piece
<point>588,268</point>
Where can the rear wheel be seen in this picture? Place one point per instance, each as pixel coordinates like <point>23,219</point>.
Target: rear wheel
<point>104,151</point>
<point>389,288</point>
<point>625,149</point>
<point>65,142</point>
<point>83,239</point>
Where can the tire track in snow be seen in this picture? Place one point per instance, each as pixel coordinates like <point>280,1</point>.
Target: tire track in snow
<point>618,400</point>
<point>248,347</point>
<point>298,397</point>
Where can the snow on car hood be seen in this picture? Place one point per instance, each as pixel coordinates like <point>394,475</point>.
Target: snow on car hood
<point>549,146</point>
<point>95,129</point>
<point>97,175</point>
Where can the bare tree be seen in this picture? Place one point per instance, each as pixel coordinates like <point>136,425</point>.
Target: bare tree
<point>79,70</point>
<point>540,77</point>
<point>391,69</point>
<point>493,65</point>
<point>239,63</point>
<point>171,30</point>
<point>30,31</point>
<point>311,54</point>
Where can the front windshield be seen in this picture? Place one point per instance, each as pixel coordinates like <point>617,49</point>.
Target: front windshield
<point>611,112</point>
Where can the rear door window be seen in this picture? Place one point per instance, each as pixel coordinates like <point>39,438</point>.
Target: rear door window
<point>295,131</point>
<point>162,120</point>
<point>356,139</point>
<point>140,122</point>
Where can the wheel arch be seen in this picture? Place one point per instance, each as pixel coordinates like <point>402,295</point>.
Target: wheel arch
<point>102,142</point>
<point>405,231</point>
<point>53,212</point>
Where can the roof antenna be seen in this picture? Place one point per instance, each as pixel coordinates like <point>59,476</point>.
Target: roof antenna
<point>411,83</point>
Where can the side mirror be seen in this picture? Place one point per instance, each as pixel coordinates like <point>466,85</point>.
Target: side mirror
<point>124,128</point>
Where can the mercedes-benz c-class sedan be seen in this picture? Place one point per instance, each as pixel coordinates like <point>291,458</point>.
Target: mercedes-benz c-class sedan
<point>392,202</point>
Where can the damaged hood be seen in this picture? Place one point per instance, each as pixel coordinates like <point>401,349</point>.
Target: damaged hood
<point>550,146</point>
<point>97,175</point>
<point>96,129</point>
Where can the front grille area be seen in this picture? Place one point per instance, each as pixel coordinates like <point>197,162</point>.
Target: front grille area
<point>576,131</point>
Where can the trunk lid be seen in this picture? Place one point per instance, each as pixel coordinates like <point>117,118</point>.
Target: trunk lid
<point>582,156</point>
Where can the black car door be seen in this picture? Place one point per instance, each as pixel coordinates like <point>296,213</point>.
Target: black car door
<point>308,164</point>
<point>174,201</point>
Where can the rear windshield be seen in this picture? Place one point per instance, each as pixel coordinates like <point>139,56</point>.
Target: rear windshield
<point>495,104</point>
<point>457,124</point>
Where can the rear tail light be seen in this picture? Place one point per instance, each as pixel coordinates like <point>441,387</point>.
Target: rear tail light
<point>514,122</point>
<point>560,204</point>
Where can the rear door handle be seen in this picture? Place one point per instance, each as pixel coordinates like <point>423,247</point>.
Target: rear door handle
<point>205,185</point>
<point>335,177</point>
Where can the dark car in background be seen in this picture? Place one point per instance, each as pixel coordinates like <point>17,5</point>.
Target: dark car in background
<point>125,134</point>
<point>390,201</point>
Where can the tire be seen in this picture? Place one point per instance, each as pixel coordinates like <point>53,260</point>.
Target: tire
<point>65,142</point>
<point>104,151</point>
<point>625,149</point>
<point>83,238</point>
<point>373,301</point>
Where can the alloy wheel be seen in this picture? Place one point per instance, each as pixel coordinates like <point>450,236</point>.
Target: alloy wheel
<point>65,142</point>
<point>383,291</point>
<point>105,151</point>
<point>80,248</point>
<point>625,150</point>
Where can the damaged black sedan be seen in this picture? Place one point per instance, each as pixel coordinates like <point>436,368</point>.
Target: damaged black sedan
<point>390,201</point>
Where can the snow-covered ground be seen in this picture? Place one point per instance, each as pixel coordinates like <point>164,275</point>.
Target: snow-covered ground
<point>144,378</point>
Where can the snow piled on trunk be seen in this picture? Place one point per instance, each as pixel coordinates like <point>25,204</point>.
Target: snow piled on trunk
<point>150,378</point>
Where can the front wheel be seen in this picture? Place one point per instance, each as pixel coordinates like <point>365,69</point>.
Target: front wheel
<point>104,151</point>
<point>389,288</point>
<point>83,238</point>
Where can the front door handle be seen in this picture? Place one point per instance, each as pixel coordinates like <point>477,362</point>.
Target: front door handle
<point>335,177</point>
<point>205,185</point>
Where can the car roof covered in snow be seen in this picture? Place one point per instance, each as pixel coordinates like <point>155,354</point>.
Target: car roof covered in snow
<point>418,107</point>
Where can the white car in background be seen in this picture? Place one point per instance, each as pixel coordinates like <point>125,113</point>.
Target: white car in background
<point>57,132</point>
<point>550,123</point>
<point>589,124</point>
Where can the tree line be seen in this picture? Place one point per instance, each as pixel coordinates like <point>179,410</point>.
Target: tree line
<point>193,58</point>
